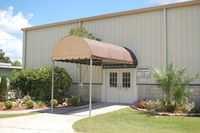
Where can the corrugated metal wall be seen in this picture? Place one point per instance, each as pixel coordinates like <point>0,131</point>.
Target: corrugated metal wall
<point>184,37</point>
<point>143,33</point>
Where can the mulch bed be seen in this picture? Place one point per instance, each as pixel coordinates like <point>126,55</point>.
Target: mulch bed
<point>21,108</point>
<point>166,113</point>
<point>25,108</point>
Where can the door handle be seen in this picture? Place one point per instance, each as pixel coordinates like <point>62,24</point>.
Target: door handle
<point>120,86</point>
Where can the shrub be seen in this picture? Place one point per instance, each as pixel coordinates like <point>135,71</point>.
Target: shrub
<point>15,104</point>
<point>26,98</point>
<point>196,108</point>
<point>185,108</point>
<point>65,103</point>
<point>40,104</point>
<point>47,103</point>
<point>1,105</point>
<point>173,85</point>
<point>30,104</point>
<point>8,104</point>
<point>146,104</point>
<point>73,100</point>
<point>159,106</point>
<point>55,102</point>
<point>142,104</point>
<point>37,83</point>
<point>4,88</point>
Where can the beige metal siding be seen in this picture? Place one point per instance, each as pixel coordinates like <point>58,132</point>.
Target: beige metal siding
<point>40,44</point>
<point>142,33</point>
<point>184,37</point>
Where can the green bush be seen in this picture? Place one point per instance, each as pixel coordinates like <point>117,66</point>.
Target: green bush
<point>37,83</point>
<point>8,104</point>
<point>185,108</point>
<point>1,105</point>
<point>30,104</point>
<point>55,102</point>
<point>159,106</point>
<point>15,104</point>
<point>73,100</point>
<point>26,98</point>
<point>40,104</point>
<point>174,86</point>
<point>4,88</point>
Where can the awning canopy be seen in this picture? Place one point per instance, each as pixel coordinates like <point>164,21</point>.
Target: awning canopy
<point>75,49</point>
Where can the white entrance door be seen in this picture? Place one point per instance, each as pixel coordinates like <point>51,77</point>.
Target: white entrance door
<point>120,86</point>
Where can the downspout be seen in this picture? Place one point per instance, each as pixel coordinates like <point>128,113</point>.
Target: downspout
<point>165,36</point>
<point>24,50</point>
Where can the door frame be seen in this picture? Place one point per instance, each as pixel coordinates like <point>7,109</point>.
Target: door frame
<point>104,86</point>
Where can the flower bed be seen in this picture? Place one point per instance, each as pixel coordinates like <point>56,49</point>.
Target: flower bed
<point>155,107</point>
<point>27,103</point>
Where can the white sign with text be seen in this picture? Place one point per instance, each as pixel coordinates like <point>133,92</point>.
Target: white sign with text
<point>144,71</point>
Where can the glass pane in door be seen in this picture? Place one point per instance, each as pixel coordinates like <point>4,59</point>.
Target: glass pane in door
<point>113,79</point>
<point>126,79</point>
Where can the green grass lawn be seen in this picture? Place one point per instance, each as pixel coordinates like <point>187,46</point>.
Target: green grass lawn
<point>17,115</point>
<point>131,121</point>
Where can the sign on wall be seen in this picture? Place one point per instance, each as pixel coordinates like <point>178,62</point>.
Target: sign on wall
<point>112,66</point>
<point>144,71</point>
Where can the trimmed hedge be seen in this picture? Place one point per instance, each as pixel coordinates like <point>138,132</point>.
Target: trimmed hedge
<point>55,102</point>
<point>30,104</point>
<point>37,83</point>
<point>3,88</point>
<point>73,100</point>
<point>8,104</point>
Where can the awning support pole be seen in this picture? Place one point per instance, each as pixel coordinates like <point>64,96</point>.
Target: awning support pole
<point>90,94</point>
<point>52,86</point>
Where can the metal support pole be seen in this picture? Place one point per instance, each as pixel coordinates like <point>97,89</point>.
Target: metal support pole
<point>90,95</point>
<point>52,86</point>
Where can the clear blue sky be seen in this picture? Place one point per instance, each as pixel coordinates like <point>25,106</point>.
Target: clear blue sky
<point>47,11</point>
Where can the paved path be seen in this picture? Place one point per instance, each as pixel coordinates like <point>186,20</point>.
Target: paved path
<point>60,121</point>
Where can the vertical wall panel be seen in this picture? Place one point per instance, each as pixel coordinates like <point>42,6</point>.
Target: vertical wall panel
<point>142,33</point>
<point>184,37</point>
<point>40,44</point>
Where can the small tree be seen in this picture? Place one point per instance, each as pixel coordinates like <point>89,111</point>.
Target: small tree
<point>4,89</point>
<point>16,63</point>
<point>174,85</point>
<point>3,57</point>
<point>82,32</point>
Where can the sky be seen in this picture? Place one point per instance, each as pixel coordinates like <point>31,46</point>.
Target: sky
<point>17,14</point>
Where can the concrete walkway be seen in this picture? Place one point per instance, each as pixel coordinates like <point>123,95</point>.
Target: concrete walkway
<point>60,121</point>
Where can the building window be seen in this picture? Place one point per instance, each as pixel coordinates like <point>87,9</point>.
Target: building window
<point>126,78</point>
<point>113,79</point>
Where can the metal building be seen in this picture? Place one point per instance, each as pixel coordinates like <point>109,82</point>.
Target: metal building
<point>157,36</point>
